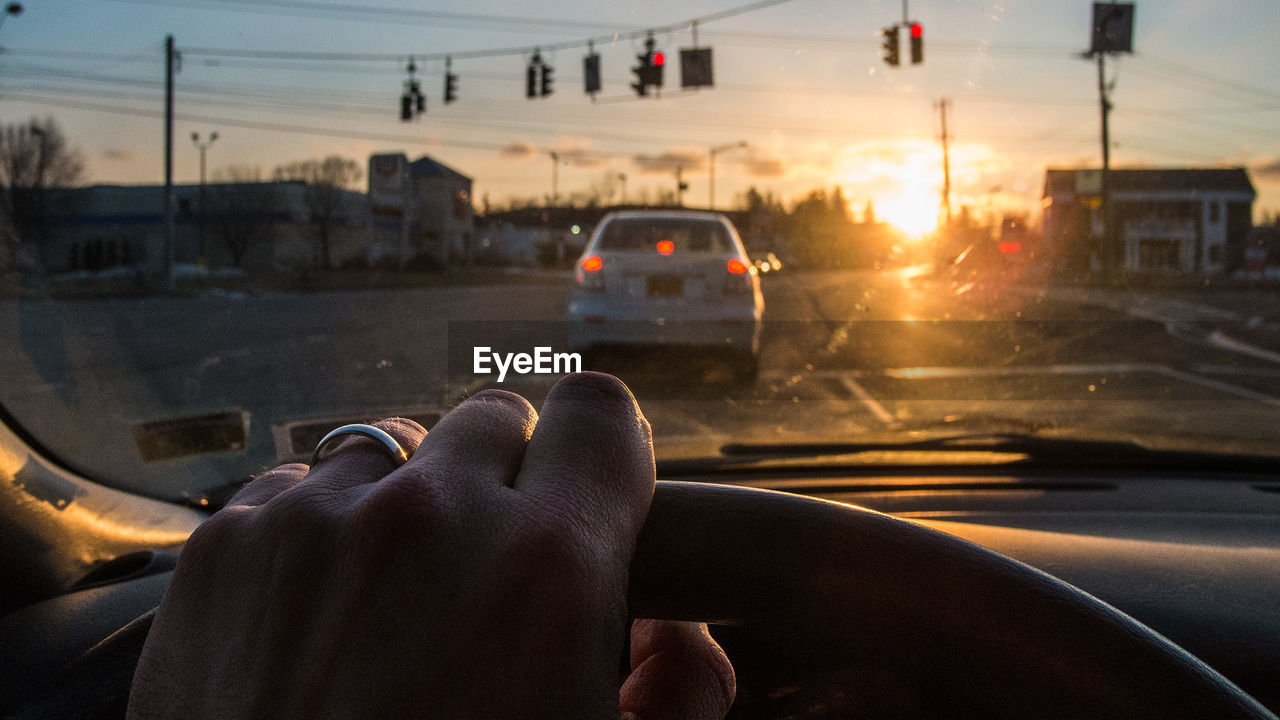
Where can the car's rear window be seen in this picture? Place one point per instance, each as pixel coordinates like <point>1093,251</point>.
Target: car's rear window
<point>684,235</point>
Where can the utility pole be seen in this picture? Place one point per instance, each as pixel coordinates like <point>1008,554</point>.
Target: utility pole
<point>946,160</point>
<point>203,146</point>
<point>1109,268</point>
<point>1112,33</point>
<point>623,178</point>
<point>681,186</point>
<point>170,59</point>
<point>555,178</point>
<point>711,202</point>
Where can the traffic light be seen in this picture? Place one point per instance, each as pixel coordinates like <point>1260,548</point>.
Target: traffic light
<point>591,73</point>
<point>891,46</point>
<point>649,72</point>
<point>547,78</point>
<point>531,81</point>
<point>406,107</point>
<point>450,88</point>
<point>917,43</point>
<point>641,85</point>
<point>655,69</point>
<point>450,82</point>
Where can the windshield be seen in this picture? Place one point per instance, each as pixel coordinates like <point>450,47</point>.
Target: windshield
<point>230,226</point>
<point>632,234</point>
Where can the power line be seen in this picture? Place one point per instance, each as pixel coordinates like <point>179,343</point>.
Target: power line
<point>616,36</point>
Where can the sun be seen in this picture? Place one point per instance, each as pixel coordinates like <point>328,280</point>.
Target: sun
<point>912,210</point>
<point>903,179</point>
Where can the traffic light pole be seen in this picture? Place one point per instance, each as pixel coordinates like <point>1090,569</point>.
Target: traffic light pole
<point>169,239</point>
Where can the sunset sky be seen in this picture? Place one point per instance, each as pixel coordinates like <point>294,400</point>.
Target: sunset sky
<point>801,82</point>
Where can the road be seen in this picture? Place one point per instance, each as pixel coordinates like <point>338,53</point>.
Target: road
<point>855,354</point>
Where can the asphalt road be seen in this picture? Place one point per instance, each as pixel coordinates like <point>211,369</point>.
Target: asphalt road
<point>844,355</point>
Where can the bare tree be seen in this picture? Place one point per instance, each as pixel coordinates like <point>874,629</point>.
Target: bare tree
<point>325,180</point>
<point>35,157</point>
<point>242,210</point>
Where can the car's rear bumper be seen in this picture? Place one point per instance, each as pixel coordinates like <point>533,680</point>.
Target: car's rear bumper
<point>729,325</point>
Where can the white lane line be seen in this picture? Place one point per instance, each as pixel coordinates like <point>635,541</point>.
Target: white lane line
<point>1220,386</point>
<point>1218,339</point>
<point>925,373</point>
<point>872,404</point>
<point>1261,372</point>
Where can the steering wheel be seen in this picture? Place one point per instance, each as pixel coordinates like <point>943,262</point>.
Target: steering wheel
<point>843,612</point>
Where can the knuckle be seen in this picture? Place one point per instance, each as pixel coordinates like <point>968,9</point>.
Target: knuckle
<point>402,498</point>
<point>213,538</point>
<point>408,433</point>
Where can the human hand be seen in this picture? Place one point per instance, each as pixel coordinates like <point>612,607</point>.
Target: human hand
<point>486,577</point>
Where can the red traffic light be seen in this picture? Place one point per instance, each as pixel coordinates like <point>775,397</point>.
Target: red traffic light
<point>659,58</point>
<point>917,30</point>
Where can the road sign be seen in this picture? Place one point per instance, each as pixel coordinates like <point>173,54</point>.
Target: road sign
<point>1112,28</point>
<point>695,67</point>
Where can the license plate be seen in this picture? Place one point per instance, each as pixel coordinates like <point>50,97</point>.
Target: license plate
<point>664,286</point>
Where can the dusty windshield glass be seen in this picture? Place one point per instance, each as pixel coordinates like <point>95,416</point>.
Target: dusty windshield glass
<point>231,226</point>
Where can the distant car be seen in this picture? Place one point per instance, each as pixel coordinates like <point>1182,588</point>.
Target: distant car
<point>668,278</point>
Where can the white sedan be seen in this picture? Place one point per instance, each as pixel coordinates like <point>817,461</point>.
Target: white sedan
<point>667,278</point>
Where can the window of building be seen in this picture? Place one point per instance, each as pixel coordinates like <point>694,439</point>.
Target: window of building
<point>1215,211</point>
<point>1159,255</point>
<point>1215,253</point>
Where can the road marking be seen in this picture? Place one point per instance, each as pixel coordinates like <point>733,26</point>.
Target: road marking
<point>929,373</point>
<point>1220,386</point>
<point>872,404</point>
<point>1261,372</point>
<point>1218,339</point>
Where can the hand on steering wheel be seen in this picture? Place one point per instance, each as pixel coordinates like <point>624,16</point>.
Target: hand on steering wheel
<point>485,577</point>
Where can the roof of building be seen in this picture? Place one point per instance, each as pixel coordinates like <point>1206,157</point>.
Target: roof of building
<point>1063,181</point>
<point>427,167</point>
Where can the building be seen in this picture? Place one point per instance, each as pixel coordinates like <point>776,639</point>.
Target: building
<point>1171,221</point>
<point>257,227</point>
<point>423,208</point>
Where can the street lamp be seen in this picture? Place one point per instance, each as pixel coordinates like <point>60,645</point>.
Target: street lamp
<point>711,203</point>
<point>13,8</point>
<point>204,147</point>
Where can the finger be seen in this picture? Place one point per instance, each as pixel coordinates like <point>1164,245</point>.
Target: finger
<point>357,459</point>
<point>592,455</point>
<point>677,671</point>
<point>268,485</point>
<point>479,443</point>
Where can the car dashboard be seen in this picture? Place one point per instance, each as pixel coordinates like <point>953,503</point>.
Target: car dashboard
<point>1192,555</point>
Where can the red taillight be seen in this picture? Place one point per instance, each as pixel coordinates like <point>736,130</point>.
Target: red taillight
<point>1009,247</point>
<point>666,247</point>
<point>589,276</point>
<point>737,267</point>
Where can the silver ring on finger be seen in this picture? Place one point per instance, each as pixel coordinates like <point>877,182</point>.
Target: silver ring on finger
<point>397,453</point>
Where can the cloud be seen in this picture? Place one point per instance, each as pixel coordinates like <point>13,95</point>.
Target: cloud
<point>1267,168</point>
<point>762,166</point>
<point>581,157</point>
<point>668,161</point>
<point>518,148</point>
<point>117,155</point>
